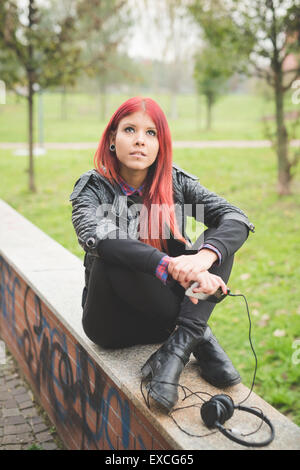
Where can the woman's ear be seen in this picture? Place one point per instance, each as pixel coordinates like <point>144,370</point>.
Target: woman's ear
<point>112,138</point>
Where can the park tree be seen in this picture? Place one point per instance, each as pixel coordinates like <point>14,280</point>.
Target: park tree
<point>118,69</point>
<point>175,30</point>
<point>43,45</point>
<point>107,42</point>
<point>211,74</point>
<point>264,33</point>
<point>177,45</point>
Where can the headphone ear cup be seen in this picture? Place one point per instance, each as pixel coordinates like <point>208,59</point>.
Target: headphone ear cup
<point>227,401</point>
<point>213,412</point>
<point>217,410</point>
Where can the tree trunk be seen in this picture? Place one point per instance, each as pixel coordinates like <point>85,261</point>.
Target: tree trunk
<point>30,78</point>
<point>173,106</point>
<point>208,112</point>
<point>30,137</point>
<point>284,167</point>
<point>103,101</point>
<point>63,105</point>
<point>198,112</point>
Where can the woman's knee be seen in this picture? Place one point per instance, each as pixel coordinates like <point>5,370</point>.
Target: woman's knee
<point>144,293</point>
<point>99,334</point>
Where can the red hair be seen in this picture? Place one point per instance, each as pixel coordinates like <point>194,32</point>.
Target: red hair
<point>158,187</point>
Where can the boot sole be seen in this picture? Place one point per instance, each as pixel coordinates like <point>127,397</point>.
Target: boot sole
<point>148,372</point>
<point>223,385</point>
<point>160,400</point>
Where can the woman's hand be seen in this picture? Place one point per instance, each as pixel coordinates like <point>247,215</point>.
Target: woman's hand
<point>194,268</point>
<point>208,284</point>
<point>186,267</point>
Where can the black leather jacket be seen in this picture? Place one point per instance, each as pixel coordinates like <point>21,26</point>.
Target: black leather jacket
<point>96,232</point>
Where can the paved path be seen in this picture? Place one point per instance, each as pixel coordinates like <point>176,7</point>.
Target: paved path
<point>176,144</point>
<point>22,427</point>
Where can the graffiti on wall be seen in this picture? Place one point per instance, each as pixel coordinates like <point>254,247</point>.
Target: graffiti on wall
<point>80,395</point>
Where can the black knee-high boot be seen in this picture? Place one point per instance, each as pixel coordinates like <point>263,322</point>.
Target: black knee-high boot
<point>164,367</point>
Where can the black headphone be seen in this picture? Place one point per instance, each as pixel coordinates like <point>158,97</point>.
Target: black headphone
<point>220,408</point>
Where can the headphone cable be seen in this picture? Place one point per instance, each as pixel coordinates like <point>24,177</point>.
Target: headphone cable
<point>191,393</point>
<point>251,345</point>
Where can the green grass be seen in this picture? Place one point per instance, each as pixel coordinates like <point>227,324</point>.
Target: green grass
<point>266,269</point>
<point>34,447</point>
<point>235,117</point>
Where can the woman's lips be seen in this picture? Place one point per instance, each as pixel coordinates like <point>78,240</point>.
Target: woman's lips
<point>137,154</point>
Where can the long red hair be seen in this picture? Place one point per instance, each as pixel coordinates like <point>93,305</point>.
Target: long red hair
<point>158,187</point>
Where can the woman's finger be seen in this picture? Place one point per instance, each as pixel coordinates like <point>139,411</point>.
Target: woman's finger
<point>221,283</point>
<point>179,272</point>
<point>209,285</point>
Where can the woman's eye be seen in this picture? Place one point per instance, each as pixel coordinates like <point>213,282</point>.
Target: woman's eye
<point>129,129</point>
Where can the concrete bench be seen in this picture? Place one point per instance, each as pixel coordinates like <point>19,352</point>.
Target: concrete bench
<point>93,395</point>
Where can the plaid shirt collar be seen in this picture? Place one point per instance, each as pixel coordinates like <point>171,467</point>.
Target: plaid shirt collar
<point>129,190</point>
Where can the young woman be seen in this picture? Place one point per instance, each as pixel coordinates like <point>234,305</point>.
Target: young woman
<point>129,214</point>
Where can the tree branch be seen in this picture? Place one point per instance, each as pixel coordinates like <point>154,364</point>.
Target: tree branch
<point>262,73</point>
<point>13,47</point>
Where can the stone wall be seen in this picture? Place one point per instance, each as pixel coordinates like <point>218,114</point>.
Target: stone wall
<point>91,395</point>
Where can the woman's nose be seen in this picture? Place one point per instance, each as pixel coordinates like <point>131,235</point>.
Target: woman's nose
<point>140,138</point>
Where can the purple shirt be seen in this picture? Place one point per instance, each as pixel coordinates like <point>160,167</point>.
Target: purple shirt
<point>129,190</point>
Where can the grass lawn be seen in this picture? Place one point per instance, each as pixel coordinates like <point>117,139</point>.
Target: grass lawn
<point>266,270</point>
<point>76,118</point>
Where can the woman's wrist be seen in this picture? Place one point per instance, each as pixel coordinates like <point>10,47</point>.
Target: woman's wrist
<point>209,257</point>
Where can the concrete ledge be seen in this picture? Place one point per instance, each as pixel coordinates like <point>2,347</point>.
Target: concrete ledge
<point>93,396</point>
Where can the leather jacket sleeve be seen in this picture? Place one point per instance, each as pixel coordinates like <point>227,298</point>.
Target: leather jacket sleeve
<point>85,203</point>
<point>228,237</point>
<point>101,236</point>
<point>229,224</point>
<point>216,208</point>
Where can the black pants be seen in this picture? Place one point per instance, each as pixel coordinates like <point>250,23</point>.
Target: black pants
<point>124,307</point>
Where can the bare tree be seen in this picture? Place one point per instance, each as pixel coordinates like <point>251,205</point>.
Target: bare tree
<point>44,45</point>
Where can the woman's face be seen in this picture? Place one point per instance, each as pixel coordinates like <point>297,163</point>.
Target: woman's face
<point>136,144</point>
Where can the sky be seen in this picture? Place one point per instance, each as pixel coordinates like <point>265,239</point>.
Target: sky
<point>150,31</point>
